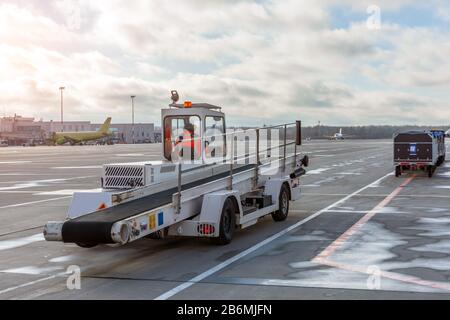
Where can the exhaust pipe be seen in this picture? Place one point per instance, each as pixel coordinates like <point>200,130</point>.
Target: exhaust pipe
<point>120,232</point>
<point>53,231</point>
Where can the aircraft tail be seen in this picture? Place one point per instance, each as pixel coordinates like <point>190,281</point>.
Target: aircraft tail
<point>105,126</point>
<point>340,130</point>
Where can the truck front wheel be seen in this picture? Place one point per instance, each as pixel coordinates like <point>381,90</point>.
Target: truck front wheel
<point>227,224</point>
<point>283,210</point>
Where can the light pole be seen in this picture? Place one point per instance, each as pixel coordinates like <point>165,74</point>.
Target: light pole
<point>62,108</point>
<point>132,117</point>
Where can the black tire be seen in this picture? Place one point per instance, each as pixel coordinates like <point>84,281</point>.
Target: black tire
<point>227,224</point>
<point>283,210</point>
<point>430,171</point>
<point>86,245</point>
<point>305,160</point>
<point>398,171</point>
<point>158,235</point>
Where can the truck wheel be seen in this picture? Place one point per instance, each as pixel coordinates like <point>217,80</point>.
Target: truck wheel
<point>158,235</point>
<point>227,224</point>
<point>86,245</point>
<point>282,213</point>
<point>398,171</point>
<point>430,171</point>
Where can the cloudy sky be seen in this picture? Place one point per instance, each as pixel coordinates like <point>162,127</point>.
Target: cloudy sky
<point>263,61</point>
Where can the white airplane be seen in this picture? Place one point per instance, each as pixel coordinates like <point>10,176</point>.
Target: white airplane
<point>337,136</point>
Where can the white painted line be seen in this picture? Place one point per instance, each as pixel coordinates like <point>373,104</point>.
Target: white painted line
<point>373,195</point>
<point>33,202</point>
<point>14,162</point>
<point>130,155</point>
<point>341,194</point>
<point>27,284</point>
<point>80,167</point>
<point>37,183</point>
<point>347,211</point>
<point>19,191</point>
<point>32,270</point>
<point>246,252</point>
<point>324,155</point>
<point>66,192</point>
<point>20,242</point>
<point>318,171</point>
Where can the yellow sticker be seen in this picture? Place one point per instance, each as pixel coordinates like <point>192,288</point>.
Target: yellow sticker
<point>151,221</point>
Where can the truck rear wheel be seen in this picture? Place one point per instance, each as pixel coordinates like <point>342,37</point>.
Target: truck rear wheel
<point>430,171</point>
<point>283,210</point>
<point>398,171</point>
<point>86,245</point>
<point>227,224</point>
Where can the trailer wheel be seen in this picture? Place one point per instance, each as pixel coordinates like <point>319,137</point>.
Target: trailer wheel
<point>398,171</point>
<point>282,213</point>
<point>86,245</point>
<point>430,171</point>
<point>227,224</point>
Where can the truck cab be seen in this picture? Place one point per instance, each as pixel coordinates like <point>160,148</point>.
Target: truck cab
<point>193,132</point>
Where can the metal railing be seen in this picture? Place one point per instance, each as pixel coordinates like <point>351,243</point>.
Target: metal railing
<point>233,157</point>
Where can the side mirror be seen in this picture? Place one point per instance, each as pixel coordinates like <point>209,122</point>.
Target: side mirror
<point>305,161</point>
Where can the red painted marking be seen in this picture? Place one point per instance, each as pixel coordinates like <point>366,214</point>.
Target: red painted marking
<point>323,257</point>
<point>328,251</point>
<point>385,274</point>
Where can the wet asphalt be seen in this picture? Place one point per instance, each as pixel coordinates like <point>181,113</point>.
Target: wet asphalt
<point>356,233</point>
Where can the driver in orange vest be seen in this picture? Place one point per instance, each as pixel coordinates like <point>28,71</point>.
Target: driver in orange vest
<point>190,141</point>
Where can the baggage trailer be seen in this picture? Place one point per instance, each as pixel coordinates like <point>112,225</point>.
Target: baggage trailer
<point>217,191</point>
<point>419,150</point>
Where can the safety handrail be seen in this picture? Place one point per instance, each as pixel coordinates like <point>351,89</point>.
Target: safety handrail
<point>232,158</point>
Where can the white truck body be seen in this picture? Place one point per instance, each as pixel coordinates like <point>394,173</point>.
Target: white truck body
<point>187,199</point>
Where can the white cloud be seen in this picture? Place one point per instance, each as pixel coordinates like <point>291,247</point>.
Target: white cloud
<point>265,61</point>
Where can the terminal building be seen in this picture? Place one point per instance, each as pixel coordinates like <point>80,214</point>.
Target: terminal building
<point>19,130</point>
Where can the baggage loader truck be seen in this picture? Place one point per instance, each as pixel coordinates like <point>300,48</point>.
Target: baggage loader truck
<point>419,150</point>
<point>205,186</point>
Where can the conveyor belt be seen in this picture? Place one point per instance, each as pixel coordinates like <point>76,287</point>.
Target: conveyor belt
<point>96,227</point>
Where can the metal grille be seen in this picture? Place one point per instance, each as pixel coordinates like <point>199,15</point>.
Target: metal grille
<point>123,177</point>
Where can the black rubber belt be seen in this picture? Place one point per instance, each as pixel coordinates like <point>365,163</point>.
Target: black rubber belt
<point>95,228</point>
